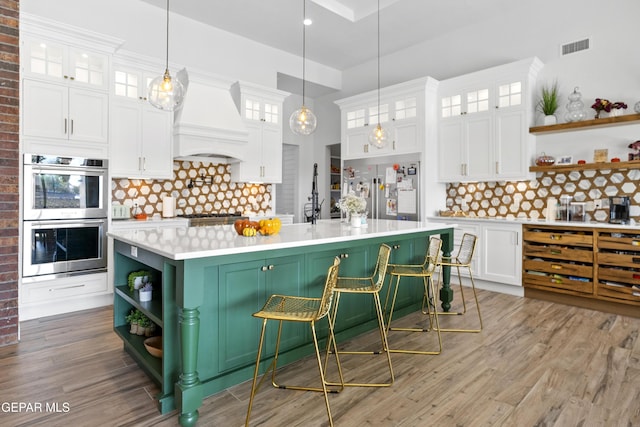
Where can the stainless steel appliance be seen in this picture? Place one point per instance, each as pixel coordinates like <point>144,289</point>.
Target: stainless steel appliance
<point>205,219</point>
<point>64,216</point>
<point>64,246</point>
<point>391,187</point>
<point>64,187</point>
<point>619,207</point>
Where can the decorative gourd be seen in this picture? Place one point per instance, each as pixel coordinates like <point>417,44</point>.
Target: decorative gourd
<point>241,224</point>
<point>270,226</point>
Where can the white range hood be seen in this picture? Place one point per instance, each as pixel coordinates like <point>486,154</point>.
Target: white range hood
<point>208,127</point>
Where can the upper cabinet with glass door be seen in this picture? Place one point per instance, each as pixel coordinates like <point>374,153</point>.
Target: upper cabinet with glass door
<point>401,112</point>
<point>49,60</point>
<point>483,124</point>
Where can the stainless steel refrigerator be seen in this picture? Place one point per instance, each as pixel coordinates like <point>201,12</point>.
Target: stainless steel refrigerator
<point>391,186</point>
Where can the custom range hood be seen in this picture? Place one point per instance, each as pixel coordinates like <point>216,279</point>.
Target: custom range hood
<point>208,127</point>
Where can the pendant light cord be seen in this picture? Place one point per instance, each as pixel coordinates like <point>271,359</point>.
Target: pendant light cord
<point>167,53</point>
<point>378,62</point>
<point>304,45</point>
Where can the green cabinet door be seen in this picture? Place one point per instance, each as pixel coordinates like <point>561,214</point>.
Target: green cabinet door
<point>241,293</point>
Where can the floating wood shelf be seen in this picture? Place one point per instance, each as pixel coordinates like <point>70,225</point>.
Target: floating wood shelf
<point>635,164</point>
<point>604,122</point>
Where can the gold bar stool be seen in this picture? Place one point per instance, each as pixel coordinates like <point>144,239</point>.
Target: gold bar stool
<point>299,309</point>
<point>367,285</point>
<point>425,271</point>
<point>462,260</point>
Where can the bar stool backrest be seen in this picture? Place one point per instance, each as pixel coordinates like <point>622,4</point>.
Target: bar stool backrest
<point>434,254</point>
<point>466,249</point>
<point>327,294</point>
<point>382,263</point>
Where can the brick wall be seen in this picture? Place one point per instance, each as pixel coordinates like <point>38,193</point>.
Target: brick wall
<point>9,171</point>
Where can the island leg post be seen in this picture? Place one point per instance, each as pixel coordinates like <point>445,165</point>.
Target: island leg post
<point>188,390</point>
<point>446,293</point>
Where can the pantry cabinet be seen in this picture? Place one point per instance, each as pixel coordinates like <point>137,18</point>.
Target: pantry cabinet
<point>261,110</point>
<point>483,124</point>
<point>402,112</point>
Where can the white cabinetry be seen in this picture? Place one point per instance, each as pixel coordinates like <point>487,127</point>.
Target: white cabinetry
<point>65,113</point>
<point>501,253</point>
<point>140,135</point>
<point>65,79</point>
<point>498,255</point>
<point>402,112</point>
<point>483,124</point>
<point>261,111</point>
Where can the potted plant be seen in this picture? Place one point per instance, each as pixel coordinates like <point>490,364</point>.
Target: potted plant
<point>548,103</point>
<point>132,319</point>
<point>146,292</point>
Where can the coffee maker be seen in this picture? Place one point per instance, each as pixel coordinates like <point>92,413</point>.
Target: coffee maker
<point>619,210</point>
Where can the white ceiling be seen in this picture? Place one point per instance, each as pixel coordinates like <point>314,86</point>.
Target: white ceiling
<point>343,33</point>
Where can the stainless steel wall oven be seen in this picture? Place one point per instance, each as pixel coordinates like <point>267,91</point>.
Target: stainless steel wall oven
<point>65,215</point>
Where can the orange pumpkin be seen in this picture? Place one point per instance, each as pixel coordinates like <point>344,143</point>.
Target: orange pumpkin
<point>270,226</point>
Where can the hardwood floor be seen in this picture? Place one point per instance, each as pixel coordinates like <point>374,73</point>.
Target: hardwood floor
<point>535,364</point>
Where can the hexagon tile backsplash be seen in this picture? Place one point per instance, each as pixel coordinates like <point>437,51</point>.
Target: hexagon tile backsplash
<point>197,187</point>
<point>528,199</point>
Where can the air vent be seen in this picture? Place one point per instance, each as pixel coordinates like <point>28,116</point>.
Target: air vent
<point>574,47</point>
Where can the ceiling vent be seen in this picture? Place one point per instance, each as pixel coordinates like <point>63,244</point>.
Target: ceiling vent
<point>574,47</point>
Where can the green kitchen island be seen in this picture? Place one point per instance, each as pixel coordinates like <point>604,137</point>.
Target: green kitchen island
<point>207,281</point>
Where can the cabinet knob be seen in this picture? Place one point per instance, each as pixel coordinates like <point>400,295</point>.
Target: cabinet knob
<point>263,268</point>
<point>270,267</point>
<point>395,247</point>
<point>344,256</point>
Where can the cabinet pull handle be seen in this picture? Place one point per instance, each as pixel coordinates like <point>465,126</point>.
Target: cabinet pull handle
<point>65,126</point>
<point>635,260</point>
<point>366,148</point>
<point>497,166</point>
<point>394,145</point>
<point>66,287</point>
<point>72,78</point>
<point>556,267</point>
<point>71,127</point>
<point>555,237</point>
<point>144,163</point>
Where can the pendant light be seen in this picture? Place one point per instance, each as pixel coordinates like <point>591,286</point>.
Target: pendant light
<point>379,136</point>
<point>166,93</point>
<point>303,121</point>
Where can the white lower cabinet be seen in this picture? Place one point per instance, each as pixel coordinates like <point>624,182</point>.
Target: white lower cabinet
<point>498,254</point>
<point>502,253</point>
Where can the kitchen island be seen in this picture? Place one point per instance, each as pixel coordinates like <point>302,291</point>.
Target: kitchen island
<point>207,281</point>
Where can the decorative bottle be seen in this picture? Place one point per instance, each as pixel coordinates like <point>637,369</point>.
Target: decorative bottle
<point>575,107</point>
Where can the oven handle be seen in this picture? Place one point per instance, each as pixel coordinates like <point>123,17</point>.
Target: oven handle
<point>74,222</point>
<point>65,169</point>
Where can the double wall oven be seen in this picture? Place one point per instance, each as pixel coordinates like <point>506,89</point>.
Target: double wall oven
<point>64,215</point>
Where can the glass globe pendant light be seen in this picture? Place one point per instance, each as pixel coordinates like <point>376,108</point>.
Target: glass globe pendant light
<point>303,121</point>
<point>166,93</point>
<point>379,136</point>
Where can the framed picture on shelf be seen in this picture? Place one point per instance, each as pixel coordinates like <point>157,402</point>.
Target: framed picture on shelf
<point>564,160</point>
<point>600,155</point>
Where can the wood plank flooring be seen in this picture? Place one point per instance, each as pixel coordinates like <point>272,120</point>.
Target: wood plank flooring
<point>536,363</point>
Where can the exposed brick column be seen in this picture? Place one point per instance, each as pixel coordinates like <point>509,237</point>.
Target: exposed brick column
<point>9,170</point>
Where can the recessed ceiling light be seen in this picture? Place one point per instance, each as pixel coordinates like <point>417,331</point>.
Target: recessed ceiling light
<point>307,21</point>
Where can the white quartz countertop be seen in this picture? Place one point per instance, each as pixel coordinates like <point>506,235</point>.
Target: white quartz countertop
<point>182,243</point>
<point>530,221</point>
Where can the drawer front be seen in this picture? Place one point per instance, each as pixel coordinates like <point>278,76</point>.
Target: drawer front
<point>626,293</point>
<point>619,275</point>
<point>67,287</point>
<point>558,238</point>
<point>558,252</point>
<point>559,268</point>
<point>624,260</point>
<point>625,243</point>
<point>555,282</point>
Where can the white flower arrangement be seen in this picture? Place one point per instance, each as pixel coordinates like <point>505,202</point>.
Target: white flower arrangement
<point>352,204</point>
